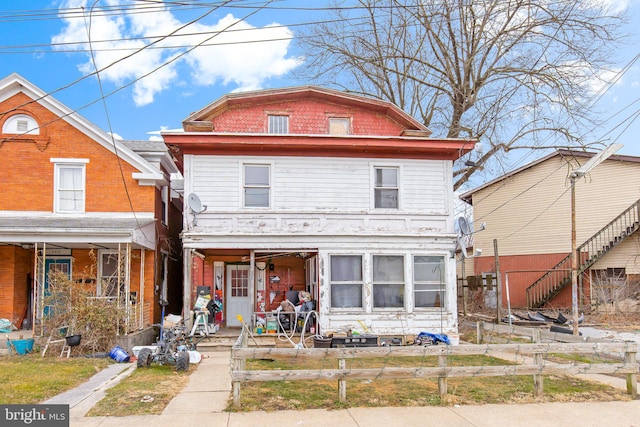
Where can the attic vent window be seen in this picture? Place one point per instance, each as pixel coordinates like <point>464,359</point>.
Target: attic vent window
<point>21,124</point>
<point>278,124</point>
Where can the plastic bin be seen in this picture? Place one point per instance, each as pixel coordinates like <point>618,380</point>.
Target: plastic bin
<point>20,346</point>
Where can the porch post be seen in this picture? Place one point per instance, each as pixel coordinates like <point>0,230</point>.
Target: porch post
<point>252,285</point>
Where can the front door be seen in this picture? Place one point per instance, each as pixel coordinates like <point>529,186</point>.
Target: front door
<point>51,267</point>
<point>238,297</point>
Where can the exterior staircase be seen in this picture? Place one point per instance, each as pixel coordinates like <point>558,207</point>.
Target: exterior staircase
<point>552,282</point>
<point>225,338</point>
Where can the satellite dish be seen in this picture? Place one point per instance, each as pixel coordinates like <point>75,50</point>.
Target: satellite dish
<point>195,204</point>
<point>464,226</point>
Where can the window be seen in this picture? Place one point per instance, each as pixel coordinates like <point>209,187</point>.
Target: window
<point>112,268</point>
<point>21,124</point>
<point>428,281</point>
<point>346,281</point>
<point>339,126</point>
<point>388,281</point>
<point>386,188</point>
<point>69,185</point>
<point>256,186</point>
<point>164,204</point>
<point>278,124</point>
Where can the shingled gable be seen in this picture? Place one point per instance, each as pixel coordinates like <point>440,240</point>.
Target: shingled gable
<point>201,119</point>
<point>412,140</point>
<point>14,83</point>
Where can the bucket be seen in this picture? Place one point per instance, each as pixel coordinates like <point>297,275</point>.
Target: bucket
<point>322,342</point>
<point>454,339</point>
<point>119,355</point>
<point>20,346</point>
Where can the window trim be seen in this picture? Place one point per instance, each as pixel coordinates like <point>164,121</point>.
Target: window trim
<point>374,187</point>
<point>269,187</point>
<point>362,283</point>
<point>442,289</point>
<point>283,116</point>
<point>60,163</point>
<point>405,284</point>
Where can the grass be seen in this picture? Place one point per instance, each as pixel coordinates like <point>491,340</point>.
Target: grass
<point>146,391</point>
<point>282,395</point>
<point>31,379</point>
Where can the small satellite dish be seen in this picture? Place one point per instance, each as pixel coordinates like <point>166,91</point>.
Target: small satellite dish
<point>464,226</point>
<point>195,204</point>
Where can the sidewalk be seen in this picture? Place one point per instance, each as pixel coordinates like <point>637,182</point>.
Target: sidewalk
<point>203,400</point>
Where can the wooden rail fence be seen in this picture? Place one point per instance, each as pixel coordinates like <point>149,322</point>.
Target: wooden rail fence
<point>533,365</point>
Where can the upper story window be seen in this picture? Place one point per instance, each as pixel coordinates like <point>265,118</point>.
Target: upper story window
<point>386,187</point>
<point>257,186</point>
<point>164,204</point>
<point>69,185</point>
<point>278,123</point>
<point>21,124</point>
<point>339,126</point>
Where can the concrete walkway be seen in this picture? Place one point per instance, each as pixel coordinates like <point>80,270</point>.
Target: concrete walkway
<point>207,394</point>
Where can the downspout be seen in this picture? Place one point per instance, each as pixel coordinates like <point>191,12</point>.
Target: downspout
<point>186,287</point>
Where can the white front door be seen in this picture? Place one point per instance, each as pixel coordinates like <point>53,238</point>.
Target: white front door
<point>238,297</point>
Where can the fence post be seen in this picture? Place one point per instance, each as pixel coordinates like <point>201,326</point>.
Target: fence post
<point>632,379</point>
<point>538,381</point>
<point>236,365</point>
<point>342,383</point>
<point>442,381</point>
<point>479,326</point>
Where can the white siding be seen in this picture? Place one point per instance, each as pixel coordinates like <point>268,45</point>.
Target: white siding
<point>313,195</point>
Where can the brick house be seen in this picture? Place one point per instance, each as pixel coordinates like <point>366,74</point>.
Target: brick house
<point>79,202</point>
<point>310,189</point>
<point>528,212</point>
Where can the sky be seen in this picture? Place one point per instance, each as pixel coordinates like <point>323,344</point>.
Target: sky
<point>159,86</point>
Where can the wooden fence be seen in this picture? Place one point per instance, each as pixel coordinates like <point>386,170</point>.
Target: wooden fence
<point>534,365</point>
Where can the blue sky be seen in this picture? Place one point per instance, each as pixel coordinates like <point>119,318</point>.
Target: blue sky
<point>39,41</point>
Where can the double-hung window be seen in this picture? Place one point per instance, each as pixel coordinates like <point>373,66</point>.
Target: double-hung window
<point>388,281</point>
<point>346,281</point>
<point>257,186</point>
<point>428,281</point>
<point>69,185</point>
<point>386,187</point>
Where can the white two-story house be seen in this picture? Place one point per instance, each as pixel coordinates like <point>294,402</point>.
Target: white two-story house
<point>310,189</point>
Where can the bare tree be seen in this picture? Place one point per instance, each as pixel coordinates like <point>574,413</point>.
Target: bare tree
<point>512,73</point>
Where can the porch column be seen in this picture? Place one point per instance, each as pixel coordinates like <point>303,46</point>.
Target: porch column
<point>186,287</point>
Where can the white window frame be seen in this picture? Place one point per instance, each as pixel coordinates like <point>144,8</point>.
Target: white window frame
<point>441,284</point>
<point>59,165</point>
<point>164,196</point>
<point>245,187</point>
<point>278,123</point>
<point>376,281</point>
<point>375,187</point>
<point>361,283</point>
<point>99,291</point>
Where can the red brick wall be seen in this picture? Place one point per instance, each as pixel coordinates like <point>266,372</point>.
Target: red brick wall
<point>28,184</point>
<point>521,276</point>
<point>305,117</point>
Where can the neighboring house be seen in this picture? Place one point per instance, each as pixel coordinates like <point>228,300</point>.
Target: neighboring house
<point>76,201</point>
<point>528,213</point>
<point>310,189</point>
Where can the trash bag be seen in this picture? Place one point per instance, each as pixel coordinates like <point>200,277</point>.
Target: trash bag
<point>427,338</point>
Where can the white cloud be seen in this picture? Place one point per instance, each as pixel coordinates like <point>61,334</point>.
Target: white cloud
<point>230,51</point>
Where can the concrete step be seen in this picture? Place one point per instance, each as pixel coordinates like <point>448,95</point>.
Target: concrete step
<point>224,342</point>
